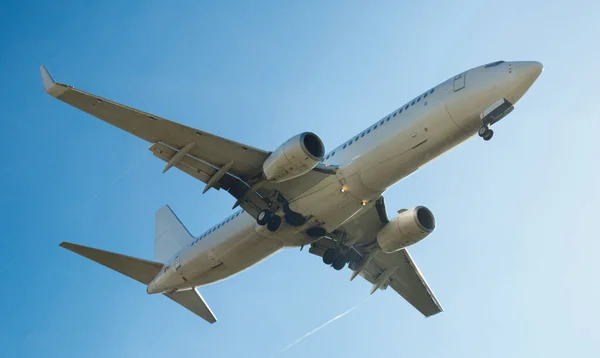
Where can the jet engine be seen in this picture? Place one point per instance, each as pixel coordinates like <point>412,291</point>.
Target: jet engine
<point>297,156</point>
<point>409,227</point>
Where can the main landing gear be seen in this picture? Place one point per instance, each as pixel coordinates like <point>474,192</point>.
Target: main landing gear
<point>485,132</point>
<point>266,217</point>
<point>273,221</point>
<point>335,259</point>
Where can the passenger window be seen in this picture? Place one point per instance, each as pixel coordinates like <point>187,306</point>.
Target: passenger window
<point>344,146</point>
<point>418,99</point>
<point>400,111</point>
<point>432,90</point>
<point>381,122</point>
<point>362,135</point>
<point>394,116</point>
<point>369,131</point>
<point>332,154</point>
<point>425,95</point>
<point>327,156</point>
<point>406,107</point>
<point>413,103</point>
<point>356,139</point>
<point>375,127</point>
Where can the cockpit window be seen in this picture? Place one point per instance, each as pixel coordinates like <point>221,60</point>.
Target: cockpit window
<point>493,64</point>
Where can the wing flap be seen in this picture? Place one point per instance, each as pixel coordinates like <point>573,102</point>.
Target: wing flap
<point>187,164</point>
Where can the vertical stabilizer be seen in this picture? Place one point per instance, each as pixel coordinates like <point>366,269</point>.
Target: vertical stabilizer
<point>171,235</point>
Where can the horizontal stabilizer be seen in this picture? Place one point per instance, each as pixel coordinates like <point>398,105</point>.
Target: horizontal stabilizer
<point>140,270</point>
<point>193,301</point>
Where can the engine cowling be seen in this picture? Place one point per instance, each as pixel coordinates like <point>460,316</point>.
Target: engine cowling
<point>408,228</point>
<point>297,156</point>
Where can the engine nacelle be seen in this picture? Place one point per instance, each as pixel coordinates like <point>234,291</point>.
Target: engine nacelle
<point>297,156</point>
<point>409,227</point>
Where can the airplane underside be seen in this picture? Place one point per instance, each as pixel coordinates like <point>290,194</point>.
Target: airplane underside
<point>299,195</point>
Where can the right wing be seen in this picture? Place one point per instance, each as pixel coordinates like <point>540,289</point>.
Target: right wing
<point>396,270</point>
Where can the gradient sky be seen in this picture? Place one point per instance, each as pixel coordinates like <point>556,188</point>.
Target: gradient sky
<point>514,259</point>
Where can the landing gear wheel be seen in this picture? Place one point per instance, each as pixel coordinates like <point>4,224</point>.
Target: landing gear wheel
<point>291,217</point>
<point>264,217</point>
<point>482,131</point>
<point>488,135</point>
<point>274,223</point>
<point>330,256</point>
<point>316,231</point>
<point>339,263</point>
<point>352,265</point>
<point>295,219</point>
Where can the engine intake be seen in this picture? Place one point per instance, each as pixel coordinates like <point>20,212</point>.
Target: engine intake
<point>297,156</point>
<point>408,228</point>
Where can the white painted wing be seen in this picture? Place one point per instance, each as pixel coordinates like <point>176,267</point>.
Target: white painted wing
<point>406,278</point>
<point>197,153</point>
<point>212,149</point>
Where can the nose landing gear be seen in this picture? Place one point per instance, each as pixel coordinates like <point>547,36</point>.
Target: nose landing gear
<point>485,132</point>
<point>493,114</point>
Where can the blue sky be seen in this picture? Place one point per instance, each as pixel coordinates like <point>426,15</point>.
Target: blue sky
<point>513,260</point>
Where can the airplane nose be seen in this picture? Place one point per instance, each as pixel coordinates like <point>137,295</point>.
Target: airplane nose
<point>530,70</point>
<point>535,68</point>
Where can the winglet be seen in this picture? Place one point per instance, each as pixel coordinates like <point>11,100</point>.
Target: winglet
<point>50,86</point>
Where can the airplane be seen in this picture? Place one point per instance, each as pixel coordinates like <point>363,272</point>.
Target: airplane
<point>298,195</point>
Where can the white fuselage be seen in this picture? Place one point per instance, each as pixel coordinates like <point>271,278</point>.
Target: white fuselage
<point>369,163</point>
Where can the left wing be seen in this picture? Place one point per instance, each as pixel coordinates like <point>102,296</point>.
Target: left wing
<point>396,270</point>
<point>207,147</point>
<point>219,162</point>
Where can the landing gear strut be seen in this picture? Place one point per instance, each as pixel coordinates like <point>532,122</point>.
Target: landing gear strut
<point>499,111</point>
<point>266,217</point>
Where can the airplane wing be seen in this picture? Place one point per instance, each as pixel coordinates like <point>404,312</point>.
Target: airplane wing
<point>396,270</point>
<point>219,162</point>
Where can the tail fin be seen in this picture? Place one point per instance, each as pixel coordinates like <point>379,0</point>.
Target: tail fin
<point>171,235</point>
<point>143,271</point>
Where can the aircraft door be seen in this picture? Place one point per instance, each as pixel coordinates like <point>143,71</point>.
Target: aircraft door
<point>459,82</point>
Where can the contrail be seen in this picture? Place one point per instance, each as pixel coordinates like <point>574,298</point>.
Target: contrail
<point>116,180</point>
<point>320,327</point>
